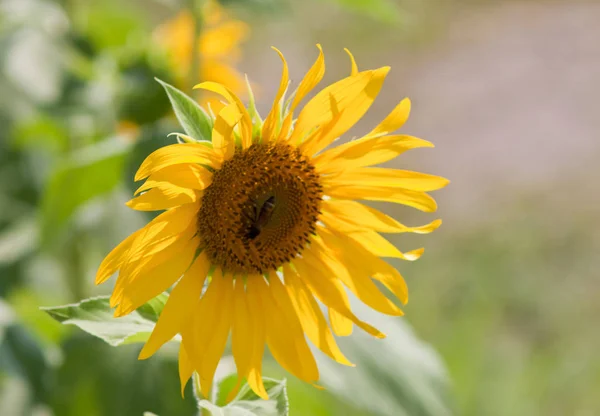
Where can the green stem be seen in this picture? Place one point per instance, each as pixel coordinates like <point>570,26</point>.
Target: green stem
<point>196,9</point>
<point>74,268</point>
<point>199,395</point>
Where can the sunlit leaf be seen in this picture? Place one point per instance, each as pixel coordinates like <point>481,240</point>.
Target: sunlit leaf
<point>95,317</point>
<point>192,117</point>
<point>247,403</point>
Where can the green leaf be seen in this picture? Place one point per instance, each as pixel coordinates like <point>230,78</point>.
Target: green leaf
<point>398,375</point>
<point>87,173</point>
<point>192,117</point>
<point>384,10</point>
<point>95,317</point>
<point>247,403</point>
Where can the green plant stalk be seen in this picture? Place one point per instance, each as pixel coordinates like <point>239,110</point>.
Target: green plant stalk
<point>196,9</point>
<point>73,271</point>
<point>199,395</point>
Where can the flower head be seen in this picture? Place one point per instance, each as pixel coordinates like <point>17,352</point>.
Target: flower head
<point>217,45</point>
<point>267,218</point>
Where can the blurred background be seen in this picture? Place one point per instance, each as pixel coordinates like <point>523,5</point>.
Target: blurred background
<point>504,305</point>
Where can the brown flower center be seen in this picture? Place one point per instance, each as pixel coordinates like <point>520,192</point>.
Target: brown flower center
<point>260,209</point>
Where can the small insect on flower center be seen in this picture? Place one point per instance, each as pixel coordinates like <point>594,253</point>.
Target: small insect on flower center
<point>260,209</point>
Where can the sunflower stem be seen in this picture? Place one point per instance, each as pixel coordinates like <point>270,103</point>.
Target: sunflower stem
<point>196,9</point>
<point>198,394</point>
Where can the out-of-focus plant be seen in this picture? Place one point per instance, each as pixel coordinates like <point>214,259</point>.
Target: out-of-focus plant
<point>80,110</point>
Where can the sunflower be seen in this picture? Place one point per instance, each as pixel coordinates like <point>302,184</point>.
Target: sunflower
<point>263,226</point>
<point>217,46</point>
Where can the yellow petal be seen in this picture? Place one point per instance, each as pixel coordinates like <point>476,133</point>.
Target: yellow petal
<point>350,216</point>
<point>221,40</point>
<point>391,278</point>
<point>221,73</point>
<point>152,283</point>
<point>184,175</point>
<point>284,334</point>
<point>147,258</point>
<point>175,154</point>
<point>181,301</point>
<point>241,331</point>
<point>222,132</point>
<point>351,107</point>
<point>163,196</point>
<point>312,319</point>
<point>247,339</point>
<point>310,80</point>
<point>246,122</point>
<point>185,368</point>
<point>366,151</point>
<point>329,289</point>
<point>393,178</point>
<point>380,247</point>
<point>314,140</point>
<point>352,265</point>
<point>394,120</point>
<point>165,226</point>
<point>355,93</point>
<point>340,325</point>
<point>415,199</point>
<point>113,261</point>
<point>254,376</point>
<point>354,67</point>
<point>215,315</point>
<point>270,125</point>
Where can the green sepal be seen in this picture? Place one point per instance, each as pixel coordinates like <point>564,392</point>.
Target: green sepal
<point>195,121</point>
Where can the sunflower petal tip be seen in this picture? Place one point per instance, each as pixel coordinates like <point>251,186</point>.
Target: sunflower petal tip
<point>201,85</point>
<point>100,278</point>
<point>145,353</point>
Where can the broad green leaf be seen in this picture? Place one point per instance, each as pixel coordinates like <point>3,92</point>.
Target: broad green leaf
<point>192,117</point>
<point>384,10</point>
<point>95,317</point>
<point>247,403</point>
<point>87,173</point>
<point>396,376</point>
